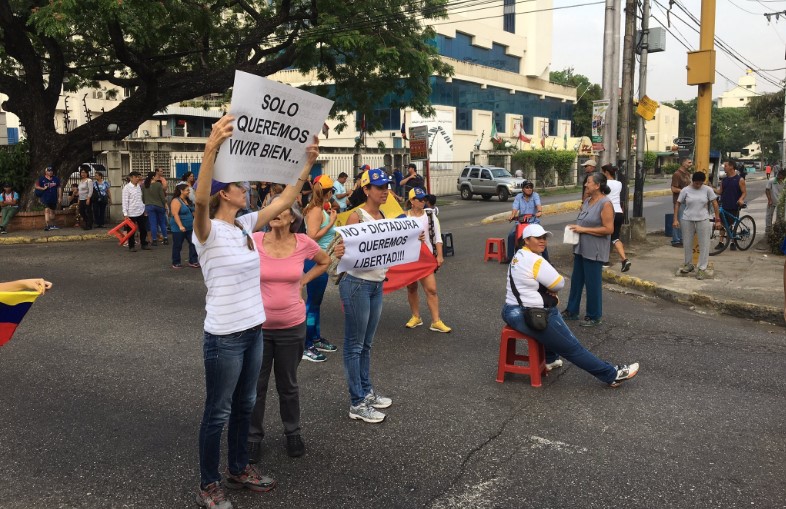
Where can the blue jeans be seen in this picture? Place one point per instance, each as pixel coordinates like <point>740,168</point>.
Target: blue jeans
<point>676,233</point>
<point>559,341</point>
<point>586,273</point>
<point>156,217</point>
<point>232,364</point>
<point>362,302</point>
<point>315,290</point>
<point>177,245</point>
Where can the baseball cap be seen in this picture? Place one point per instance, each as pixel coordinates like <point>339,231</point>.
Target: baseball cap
<point>365,167</point>
<point>417,192</point>
<point>534,230</point>
<point>589,162</point>
<point>375,177</point>
<point>49,168</point>
<point>325,181</point>
<point>215,186</point>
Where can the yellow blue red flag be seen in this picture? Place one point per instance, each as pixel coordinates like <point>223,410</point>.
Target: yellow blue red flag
<point>13,307</point>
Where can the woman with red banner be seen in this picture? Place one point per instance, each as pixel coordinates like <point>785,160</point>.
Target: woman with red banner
<point>433,241</point>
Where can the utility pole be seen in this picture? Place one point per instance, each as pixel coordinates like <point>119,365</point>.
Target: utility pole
<point>701,72</point>
<point>641,135</point>
<point>627,102</point>
<point>610,81</point>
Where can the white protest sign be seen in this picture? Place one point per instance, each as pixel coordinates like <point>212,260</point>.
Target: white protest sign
<point>379,244</point>
<point>273,125</point>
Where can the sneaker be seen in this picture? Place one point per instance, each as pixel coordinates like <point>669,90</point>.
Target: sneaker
<point>194,265</point>
<point>366,413</point>
<point>295,446</point>
<point>154,243</point>
<point>554,365</point>
<point>688,267</point>
<point>413,322</point>
<point>719,246</point>
<point>373,399</point>
<point>250,479</point>
<point>589,322</point>
<point>177,266</point>
<point>323,345</point>
<point>165,242</point>
<point>701,274</point>
<point>733,246</point>
<point>254,452</point>
<point>625,372</point>
<point>676,244</point>
<point>125,244</point>
<point>47,228</point>
<point>54,227</point>
<point>625,265</point>
<point>147,248</point>
<point>439,327</point>
<point>3,231</point>
<point>311,354</point>
<point>568,316</point>
<point>606,265</point>
<point>212,496</point>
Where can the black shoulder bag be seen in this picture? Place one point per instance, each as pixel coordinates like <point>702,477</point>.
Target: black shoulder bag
<point>536,319</point>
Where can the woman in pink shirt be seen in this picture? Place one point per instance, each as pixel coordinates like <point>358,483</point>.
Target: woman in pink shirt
<point>281,256</point>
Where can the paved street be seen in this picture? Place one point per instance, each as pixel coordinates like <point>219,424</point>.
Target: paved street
<point>103,389</point>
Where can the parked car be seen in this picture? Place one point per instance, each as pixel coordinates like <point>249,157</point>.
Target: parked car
<point>487,181</point>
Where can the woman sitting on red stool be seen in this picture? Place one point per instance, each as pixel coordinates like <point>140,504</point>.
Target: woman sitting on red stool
<point>534,283</point>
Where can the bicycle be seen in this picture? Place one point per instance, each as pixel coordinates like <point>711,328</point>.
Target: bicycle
<point>741,230</point>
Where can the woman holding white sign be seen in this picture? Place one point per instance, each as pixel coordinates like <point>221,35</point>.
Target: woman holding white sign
<point>320,221</point>
<point>361,295</point>
<point>232,344</point>
<point>433,240</point>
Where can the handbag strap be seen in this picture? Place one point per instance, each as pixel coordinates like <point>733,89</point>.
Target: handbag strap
<point>513,286</point>
<point>431,233</point>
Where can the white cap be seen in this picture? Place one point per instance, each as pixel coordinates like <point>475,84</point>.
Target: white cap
<point>534,230</point>
<point>589,162</point>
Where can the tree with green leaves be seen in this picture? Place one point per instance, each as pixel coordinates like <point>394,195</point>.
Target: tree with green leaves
<point>587,93</point>
<point>766,123</point>
<point>167,51</point>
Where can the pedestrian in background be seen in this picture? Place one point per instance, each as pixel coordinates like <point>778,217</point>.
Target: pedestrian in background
<point>282,253</point>
<point>48,190</point>
<point>156,208</point>
<point>9,205</point>
<point>679,180</point>
<point>134,209</point>
<point>340,193</point>
<point>526,209</point>
<point>181,223</point>
<point>320,226</point>
<point>773,191</point>
<point>589,168</point>
<point>595,226</point>
<point>696,198</point>
<point>85,194</point>
<point>732,191</point>
<point>615,185</point>
<point>232,341</point>
<point>102,197</point>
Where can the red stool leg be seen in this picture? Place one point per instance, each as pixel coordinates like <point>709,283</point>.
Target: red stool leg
<point>537,361</point>
<point>502,360</point>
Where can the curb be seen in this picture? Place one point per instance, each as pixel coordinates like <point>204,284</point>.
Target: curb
<point>567,206</point>
<point>53,238</point>
<point>737,309</point>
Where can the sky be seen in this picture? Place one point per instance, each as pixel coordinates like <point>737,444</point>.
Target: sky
<point>578,43</point>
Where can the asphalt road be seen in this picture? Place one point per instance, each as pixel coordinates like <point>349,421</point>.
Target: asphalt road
<point>102,392</point>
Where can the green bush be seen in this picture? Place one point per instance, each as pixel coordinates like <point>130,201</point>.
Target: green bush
<point>15,166</point>
<point>669,168</point>
<point>544,163</point>
<point>650,160</point>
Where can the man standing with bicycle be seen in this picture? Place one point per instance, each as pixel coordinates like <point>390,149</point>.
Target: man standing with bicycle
<point>732,193</point>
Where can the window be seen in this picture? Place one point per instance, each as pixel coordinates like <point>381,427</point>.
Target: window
<point>475,173</point>
<point>509,16</point>
<point>461,48</point>
<point>652,138</point>
<point>485,175</point>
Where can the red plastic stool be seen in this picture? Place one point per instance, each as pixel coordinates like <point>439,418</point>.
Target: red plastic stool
<point>536,358</point>
<point>120,235</point>
<point>491,254</point>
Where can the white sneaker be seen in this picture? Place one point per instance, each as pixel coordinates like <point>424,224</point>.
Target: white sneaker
<point>554,365</point>
<point>625,372</point>
<point>366,413</point>
<point>375,400</point>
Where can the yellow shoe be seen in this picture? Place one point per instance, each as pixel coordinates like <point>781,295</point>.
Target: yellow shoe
<point>440,327</point>
<point>414,322</point>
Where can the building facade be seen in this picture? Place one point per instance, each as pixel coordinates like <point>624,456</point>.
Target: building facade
<point>740,95</point>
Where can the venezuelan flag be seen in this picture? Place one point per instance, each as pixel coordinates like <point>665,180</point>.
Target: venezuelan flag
<point>13,307</point>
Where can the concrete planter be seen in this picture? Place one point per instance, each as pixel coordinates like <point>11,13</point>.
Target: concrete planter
<point>35,220</point>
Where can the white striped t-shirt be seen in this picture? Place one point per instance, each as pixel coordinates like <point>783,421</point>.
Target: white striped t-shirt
<point>231,271</point>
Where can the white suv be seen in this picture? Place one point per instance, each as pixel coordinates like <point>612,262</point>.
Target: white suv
<point>487,181</point>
